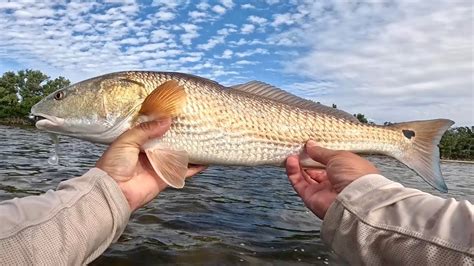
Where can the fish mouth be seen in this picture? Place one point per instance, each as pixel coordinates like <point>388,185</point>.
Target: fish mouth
<point>47,122</point>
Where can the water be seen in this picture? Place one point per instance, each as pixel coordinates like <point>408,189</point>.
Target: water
<point>54,158</point>
<point>227,215</point>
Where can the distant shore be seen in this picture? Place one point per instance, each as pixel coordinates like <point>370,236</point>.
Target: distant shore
<point>456,161</point>
<point>16,121</point>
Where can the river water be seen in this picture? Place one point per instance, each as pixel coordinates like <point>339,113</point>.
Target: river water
<point>226,215</point>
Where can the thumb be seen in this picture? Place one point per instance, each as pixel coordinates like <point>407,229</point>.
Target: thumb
<point>320,154</point>
<point>140,134</point>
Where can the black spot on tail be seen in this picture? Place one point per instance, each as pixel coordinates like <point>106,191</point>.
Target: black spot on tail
<point>408,133</point>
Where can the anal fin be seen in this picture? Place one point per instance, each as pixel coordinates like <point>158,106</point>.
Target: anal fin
<point>169,165</point>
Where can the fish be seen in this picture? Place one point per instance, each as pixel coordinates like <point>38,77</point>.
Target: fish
<point>247,124</point>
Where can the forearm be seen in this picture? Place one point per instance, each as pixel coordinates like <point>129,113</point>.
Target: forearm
<point>72,225</point>
<point>377,221</point>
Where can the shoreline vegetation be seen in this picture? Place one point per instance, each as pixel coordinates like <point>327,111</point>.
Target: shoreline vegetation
<point>21,90</point>
<point>457,161</point>
<point>16,121</point>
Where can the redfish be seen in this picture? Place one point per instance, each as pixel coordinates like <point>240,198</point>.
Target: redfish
<point>247,124</point>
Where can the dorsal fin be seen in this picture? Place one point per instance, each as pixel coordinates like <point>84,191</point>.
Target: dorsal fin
<point>273,93</point>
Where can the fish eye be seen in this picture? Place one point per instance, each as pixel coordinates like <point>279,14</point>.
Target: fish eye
<point>59,95</point>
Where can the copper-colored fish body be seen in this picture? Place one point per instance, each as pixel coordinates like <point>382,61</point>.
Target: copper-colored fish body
<point>247,124</point>
<point>227,126</point>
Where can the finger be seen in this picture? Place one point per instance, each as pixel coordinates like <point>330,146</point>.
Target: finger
<point>293,170</point>
<point>318,175</point>
<point>320,154</point>
<point>140,134</point>
<point>194,169</point>
<point>307,177</point>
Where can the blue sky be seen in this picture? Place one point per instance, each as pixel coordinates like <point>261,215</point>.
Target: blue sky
<point>391,60</point>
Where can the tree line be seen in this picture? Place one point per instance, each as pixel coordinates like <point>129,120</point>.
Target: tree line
<point>19,91</point>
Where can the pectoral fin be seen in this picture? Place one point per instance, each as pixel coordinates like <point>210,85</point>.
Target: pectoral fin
<point>167,100</point>
<point>170,165</point>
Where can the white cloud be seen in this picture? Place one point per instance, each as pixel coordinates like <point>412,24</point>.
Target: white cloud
<point>203,6</point>
<point>191,32</point>
<point>247,28</point>
<point>22,14</point>
<point>252,52</point>
<point>247,6</point>
<point>10,5</point>
<point>166,4</point>
<point>227,3</point>
<point>257,20</point>
<point>243,41</point>
<point>272,2</point>
<point>226,31</point>
<point>219,9</point>
<point>211,43</point>
<point>160,35</point>
<point>246,62</point>
<point>227,54</point>
<point>150,47</point>
<point>190,59</point>
<point>413,60</point>
<point>195,15</point>
<point>282,19</point>
<point>82,27</point>
<point>133,41</point>
<point>219,73</point>
<point>165,15</point>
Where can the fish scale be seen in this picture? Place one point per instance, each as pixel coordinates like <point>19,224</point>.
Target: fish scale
<point>243,129</point>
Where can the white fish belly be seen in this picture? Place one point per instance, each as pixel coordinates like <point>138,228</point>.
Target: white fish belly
<point>229,149</point>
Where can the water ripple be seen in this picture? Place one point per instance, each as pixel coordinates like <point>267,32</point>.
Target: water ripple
<point>227,215</point>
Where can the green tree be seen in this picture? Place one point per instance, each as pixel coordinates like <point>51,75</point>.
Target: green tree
<point>9,104</point>
<point>30,89</point>
<point>361,118</point>
<point>56,84</point>
<point>458,144</point>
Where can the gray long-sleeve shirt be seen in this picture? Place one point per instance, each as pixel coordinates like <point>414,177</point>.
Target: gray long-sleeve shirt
<point>70,226</point>
<point>373,221</point>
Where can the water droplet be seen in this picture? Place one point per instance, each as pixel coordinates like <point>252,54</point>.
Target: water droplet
<point>54,158</point>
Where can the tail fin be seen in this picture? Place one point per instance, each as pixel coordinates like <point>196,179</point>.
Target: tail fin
<point>423,155</point>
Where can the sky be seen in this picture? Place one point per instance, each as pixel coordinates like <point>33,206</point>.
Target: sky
<point>390,60</point>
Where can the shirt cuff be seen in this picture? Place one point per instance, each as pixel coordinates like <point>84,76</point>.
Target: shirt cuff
<point>111,189</point>
<point>352,193</point>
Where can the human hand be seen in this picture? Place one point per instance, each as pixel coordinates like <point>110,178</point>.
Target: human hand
<point>319,187</point>
<point>130,168</point>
